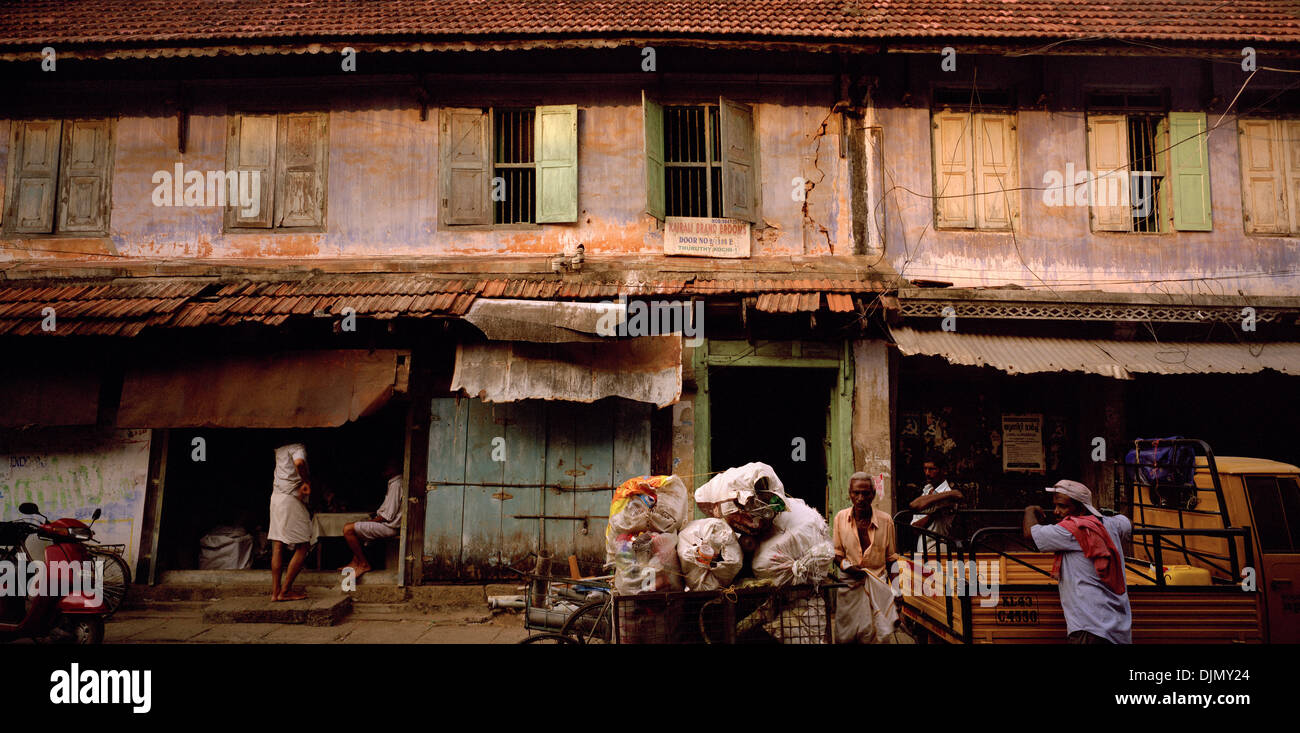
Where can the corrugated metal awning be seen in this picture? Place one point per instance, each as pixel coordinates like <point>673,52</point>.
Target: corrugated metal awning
<point>305,389</point>
<point>1110,358</point>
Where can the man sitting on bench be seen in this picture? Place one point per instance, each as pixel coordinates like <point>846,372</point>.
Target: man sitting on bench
<point>384,525</point>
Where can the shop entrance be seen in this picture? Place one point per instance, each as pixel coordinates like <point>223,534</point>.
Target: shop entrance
<point>215,511</point>
<point>784,403</point>
<point>776,416</point>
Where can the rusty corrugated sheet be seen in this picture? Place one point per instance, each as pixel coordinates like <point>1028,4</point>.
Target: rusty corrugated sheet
<point>294,389</point>
<point>1110,358</point>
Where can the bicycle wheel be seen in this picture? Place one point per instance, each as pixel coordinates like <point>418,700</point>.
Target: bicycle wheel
<point>592,623</point>
<point>549,639</point>
<point>117,578</point>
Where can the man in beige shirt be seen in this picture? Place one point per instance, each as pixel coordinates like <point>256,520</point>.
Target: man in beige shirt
<point>864,545</point>
<point>863,526</point>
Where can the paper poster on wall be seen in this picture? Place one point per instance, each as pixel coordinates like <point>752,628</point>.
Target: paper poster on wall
<point>1022,444</point>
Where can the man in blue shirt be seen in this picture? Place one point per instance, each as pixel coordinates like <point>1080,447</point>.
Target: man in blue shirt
<point>1089,564</point>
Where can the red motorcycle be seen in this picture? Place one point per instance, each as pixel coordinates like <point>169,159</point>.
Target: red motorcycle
<point>51,588</point>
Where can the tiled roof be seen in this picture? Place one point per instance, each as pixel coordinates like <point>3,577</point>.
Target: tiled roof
<point>124,306</point>
<point>38,23</point>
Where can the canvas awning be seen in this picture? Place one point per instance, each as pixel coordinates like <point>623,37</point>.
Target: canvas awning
<point>1107,357</point>
<point>545,321</point>
<point>647,369</point>
<point>48,395</point>
<point>303,389</point>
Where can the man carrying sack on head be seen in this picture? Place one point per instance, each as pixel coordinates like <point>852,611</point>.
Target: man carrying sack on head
<point>1089,564</point>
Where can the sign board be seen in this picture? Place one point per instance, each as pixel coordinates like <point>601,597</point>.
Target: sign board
<point>706,237</point>
<point>1022,444</point>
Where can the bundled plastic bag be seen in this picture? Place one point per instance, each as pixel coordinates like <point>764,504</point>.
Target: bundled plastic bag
<point>799,550</point>
<point>709,553</point>
<point>747,497</point>
<point>646,563</point>
<point>645,504</point>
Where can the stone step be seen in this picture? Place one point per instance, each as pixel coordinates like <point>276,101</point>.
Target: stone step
<point>320,608</point>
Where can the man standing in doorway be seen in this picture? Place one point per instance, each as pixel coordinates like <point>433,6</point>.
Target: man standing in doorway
<point>290,522</point>
<point>937,504</point>
<point>1089,564</point>
<point>384,524</point>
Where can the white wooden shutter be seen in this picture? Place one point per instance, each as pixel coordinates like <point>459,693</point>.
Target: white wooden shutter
<point>996,171</point>
<point>301,156</point>
<point>84,176</point>
<point>466,166</point>
<point>555,152</point>
<point>1112,210</point>
<point>1291,153</point>
<point>35,166</point>
<point>250,150</point>
<point>739,184</point>
<point>1262,176</point>
<point>954,170</point>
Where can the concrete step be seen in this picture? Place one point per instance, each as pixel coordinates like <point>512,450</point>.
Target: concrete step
<point>320,608</point>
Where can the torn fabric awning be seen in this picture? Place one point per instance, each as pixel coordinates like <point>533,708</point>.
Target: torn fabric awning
<point>303,389</point>
<point>1107,357</point>
<point>647,369</point>
<point>545,321</point>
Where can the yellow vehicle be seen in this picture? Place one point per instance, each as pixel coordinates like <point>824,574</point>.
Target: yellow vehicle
<point>1214,560</point>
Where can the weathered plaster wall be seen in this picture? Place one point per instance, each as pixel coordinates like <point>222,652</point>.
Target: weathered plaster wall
<point>383,173</point>
<point>873,445</point>
<point>1053,246</point>
<point>70,472</point>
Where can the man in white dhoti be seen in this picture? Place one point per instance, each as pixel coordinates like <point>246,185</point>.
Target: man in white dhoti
<point>290,522</point>
<point>384,523</point>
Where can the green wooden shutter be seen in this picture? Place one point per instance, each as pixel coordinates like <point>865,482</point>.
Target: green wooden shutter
<point>302,158</point>
<point>35,166</point>
<point>739,181</point>
<point>555,145</point>
<point>654,157</point>
<point>250,150</point>
<point>1189,171</point>
<point>466,166</point>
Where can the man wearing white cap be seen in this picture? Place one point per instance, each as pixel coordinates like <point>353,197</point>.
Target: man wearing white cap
<point>1089,564</point>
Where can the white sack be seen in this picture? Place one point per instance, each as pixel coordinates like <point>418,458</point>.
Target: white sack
<point>226,548</point>
<point>701,540</point>
<point>799,550</point>
<point>646,563</point>
<point>720,495</point>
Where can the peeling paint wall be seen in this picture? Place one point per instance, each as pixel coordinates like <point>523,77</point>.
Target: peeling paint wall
<point>1055,243</point>
<point>383,172</point>
<point>70,472</point>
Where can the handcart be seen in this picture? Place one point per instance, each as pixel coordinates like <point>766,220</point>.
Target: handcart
<point>746,614</point>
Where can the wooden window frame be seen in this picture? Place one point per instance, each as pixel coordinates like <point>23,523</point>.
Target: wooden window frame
<point>234,117</point>
<point>974,115</point>
<point>712,113</point>
<point>9,205</point>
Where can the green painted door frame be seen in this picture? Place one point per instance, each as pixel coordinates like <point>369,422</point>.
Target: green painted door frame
<point>785,354</point>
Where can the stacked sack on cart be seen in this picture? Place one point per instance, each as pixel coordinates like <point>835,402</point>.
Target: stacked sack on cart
<point>748,516</point>
<point>641,540</point>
